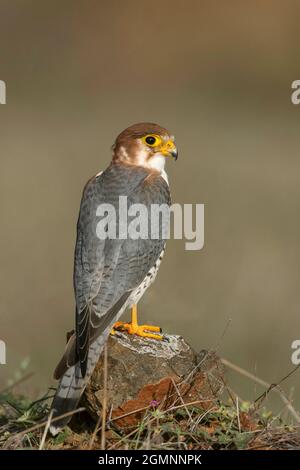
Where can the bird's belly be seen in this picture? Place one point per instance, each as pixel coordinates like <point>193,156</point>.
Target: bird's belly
<point>147,281</point>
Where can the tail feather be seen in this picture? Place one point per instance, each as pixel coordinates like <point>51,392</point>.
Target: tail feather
<point>72,385</point>
<point>69,371</point>
<point>68,359</point>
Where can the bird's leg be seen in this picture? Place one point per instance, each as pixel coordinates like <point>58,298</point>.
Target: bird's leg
<point>133,328</point>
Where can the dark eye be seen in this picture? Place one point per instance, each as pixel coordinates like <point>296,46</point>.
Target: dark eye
<point>150,140</point>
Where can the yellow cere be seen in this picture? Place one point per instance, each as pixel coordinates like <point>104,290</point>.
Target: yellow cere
<point>167,148</point>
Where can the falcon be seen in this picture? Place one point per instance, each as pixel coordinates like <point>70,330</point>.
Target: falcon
<point>112,274</point>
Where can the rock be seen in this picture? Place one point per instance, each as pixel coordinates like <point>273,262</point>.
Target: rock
<point>145,373</point>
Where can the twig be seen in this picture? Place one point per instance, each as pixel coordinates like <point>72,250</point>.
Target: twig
<point>102,417</point>
<point>238,414</point>
<point>216,348</point>
<point>263,383</point>
<point>46,430</point>
<point>104,402</point>
<point>210,350</point>
<point>276,385</point>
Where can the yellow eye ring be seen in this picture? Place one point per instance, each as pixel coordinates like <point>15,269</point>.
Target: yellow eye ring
<point>152,140</point>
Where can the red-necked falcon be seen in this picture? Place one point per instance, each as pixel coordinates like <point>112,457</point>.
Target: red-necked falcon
<point>112,274</point>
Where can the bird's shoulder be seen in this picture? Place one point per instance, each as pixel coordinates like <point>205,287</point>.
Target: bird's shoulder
<point>125,180</point>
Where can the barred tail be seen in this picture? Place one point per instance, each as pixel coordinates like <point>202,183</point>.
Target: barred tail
<point>72,385</point>
<point>68,370</point>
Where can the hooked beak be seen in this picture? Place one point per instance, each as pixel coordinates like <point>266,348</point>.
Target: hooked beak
<point>169,149</point>
<point>174,154</point>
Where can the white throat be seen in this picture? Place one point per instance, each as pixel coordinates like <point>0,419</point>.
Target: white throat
<point>158,162</point>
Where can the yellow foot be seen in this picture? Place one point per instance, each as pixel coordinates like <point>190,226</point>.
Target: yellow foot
<point>139,330</point>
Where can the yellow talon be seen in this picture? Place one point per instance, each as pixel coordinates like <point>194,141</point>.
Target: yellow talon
<point>133,328</point>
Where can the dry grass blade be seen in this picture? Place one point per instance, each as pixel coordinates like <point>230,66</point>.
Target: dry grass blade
<point>102,417</point>
<point>95,433</point>
<point>182,400</point>
<point>46,430</point>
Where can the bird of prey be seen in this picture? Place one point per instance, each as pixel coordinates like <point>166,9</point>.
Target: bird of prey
<point>112,274</point>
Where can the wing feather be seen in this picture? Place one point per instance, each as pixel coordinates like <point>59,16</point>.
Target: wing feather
<point>107,271</point>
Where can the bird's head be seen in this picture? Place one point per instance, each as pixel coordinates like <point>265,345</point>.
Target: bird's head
<point>144,144</point>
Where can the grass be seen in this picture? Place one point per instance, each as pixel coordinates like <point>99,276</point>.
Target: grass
<point>225,423</point>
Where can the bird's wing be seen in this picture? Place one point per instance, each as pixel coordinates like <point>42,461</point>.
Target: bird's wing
<point>107,271</point>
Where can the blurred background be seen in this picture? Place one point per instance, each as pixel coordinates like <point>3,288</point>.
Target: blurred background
<point>218,75</point>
